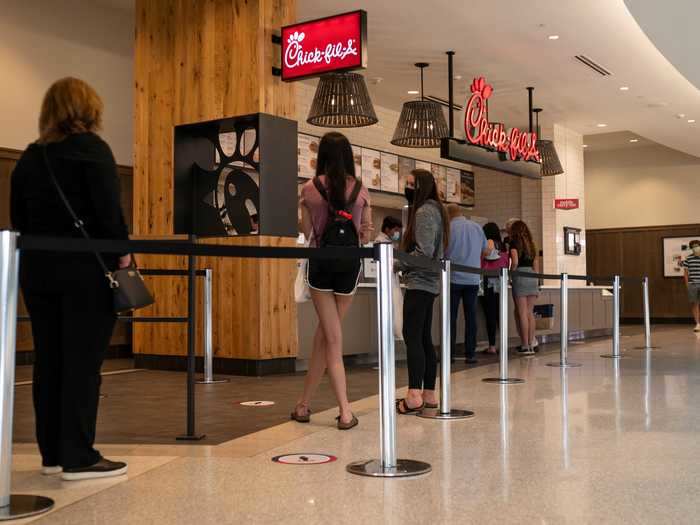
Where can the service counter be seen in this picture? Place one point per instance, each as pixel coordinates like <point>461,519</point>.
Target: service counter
<point>590,315</point>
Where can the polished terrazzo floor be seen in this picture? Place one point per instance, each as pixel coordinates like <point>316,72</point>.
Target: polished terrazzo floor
<point>610,442</point>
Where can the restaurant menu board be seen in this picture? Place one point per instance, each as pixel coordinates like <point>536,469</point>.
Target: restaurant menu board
<point>308,151</point>
<point>467,183</point>
<point>422,165</point>
<point>357,156</point>
<point>440,176</point>
<point>454,190</point>
<point>390,172</point>
<point>371,169</point>
<point>406,166</point>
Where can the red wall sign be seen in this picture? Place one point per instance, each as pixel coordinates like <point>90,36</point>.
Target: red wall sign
<point>566,204</point>
<point>516,144</point>
<point>335,43</point>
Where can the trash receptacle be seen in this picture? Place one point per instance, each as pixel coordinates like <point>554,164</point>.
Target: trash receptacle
<point>544,316</point>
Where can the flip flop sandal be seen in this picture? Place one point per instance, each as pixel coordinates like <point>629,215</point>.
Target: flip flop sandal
<point>347,426</point>
<point>407,410</point>
<point>431,405</point>
<point>306,418</point>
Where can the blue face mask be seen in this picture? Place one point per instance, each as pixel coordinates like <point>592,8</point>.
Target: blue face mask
<point>395,236</point>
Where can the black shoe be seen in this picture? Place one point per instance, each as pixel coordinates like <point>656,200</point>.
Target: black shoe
<point>523,350</point>
<point>471,360</point>
<point>104,468</point>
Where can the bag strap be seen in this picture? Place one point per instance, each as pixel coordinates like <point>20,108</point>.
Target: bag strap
<point>77,223</point>
<point>324,194</point>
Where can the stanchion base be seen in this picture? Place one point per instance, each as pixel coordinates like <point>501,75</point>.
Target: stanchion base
<point>455,413</point>
<point>647,347</point>
<point>403,469</point>
<point>25,505</point>
<point>196,437</point>
<point>564,365</point>
<point>506,381</point>
<point>611,356</point>
<point>214,381</point>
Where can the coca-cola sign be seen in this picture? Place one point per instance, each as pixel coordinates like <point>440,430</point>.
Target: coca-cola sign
<point>566,204</point>
<point>335,43</point>
<point>515,144</point>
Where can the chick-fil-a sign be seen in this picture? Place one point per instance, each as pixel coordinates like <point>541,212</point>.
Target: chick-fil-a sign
<point>518,145</point>
<point>335,43</point>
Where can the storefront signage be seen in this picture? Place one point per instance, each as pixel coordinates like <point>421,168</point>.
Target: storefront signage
<point>335,43</point>
<point>566,204</point>
<point>516,144</point>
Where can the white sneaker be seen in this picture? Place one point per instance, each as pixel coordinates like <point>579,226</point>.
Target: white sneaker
<point>535,343</point>
<point>697,328</point>
<point>529,352</point>
<point>50,471</point>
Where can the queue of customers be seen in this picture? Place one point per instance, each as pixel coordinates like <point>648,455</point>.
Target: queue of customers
<point>335,201</point>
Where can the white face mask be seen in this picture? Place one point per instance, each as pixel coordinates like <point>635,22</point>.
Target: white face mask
<point>395,236</point>
<point>696,250</point>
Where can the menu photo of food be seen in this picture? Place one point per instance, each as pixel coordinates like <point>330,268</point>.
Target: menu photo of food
<point>390,172</point>
<point>454,190</point>
<point>440,175</point>
<point>357,157</point>
<point>468,192</point>
<point>371,169</point>
<point>406,166</point>
<point>307,149</point>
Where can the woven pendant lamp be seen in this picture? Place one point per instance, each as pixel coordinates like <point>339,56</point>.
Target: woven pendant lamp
<point>342,101</point>
<point>548,153</point>
<point>422,123</point>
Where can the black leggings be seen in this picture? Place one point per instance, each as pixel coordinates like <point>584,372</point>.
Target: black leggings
<point>490,302</point>
<point>417,323</point>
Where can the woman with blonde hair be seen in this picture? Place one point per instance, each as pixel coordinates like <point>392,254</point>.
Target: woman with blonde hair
<point>67,295</point>
<point>523,258</point>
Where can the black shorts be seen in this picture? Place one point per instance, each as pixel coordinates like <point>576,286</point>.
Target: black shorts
<point>340,283</point>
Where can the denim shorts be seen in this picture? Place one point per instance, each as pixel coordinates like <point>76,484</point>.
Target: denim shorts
<point>694,292</point>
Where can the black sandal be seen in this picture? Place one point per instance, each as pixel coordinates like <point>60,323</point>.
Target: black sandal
<point>306,418</point>
<point>407,410</point>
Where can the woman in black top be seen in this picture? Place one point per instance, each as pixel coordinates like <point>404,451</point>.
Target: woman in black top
<point>67,295</point>
<point>523,257</point>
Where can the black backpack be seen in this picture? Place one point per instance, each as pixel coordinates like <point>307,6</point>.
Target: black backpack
<point>340,231</point>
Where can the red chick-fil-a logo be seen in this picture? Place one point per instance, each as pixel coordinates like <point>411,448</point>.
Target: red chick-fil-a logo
<point>295,55</point>
<point>519,145</point>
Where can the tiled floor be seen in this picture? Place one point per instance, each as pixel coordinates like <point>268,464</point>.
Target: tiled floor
<point>610,442</point>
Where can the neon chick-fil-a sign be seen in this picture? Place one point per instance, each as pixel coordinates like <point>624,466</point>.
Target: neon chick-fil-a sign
<point>518,145</point>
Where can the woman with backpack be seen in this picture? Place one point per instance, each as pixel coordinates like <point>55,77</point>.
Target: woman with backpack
<point>427,234</point>
<point>335,212</point>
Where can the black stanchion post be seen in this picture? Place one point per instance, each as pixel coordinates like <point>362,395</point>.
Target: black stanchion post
<point>12,506</point>
<point>191,330</point>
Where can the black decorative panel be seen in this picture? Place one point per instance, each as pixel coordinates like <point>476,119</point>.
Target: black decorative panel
<point>236,176</point>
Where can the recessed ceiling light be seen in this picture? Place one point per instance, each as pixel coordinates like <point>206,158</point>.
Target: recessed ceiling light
<point>691,120</point>
<point>634,140</point>
<point>413,92</point>
<point>458,77</point>
<point>602,125</point>
<point>681,115</point>
<point>553,37</point>
<point>585,145</point>
<point>624,88</point>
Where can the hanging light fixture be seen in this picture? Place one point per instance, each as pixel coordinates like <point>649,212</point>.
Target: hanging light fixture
<point>422,123</point>
<point>548,153</point>
<point>342,101</point>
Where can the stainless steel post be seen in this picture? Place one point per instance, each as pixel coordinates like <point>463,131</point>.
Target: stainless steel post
<point>12,506</point>
<point>503,327</point>
<point>647,316</point>
<point>616,321</point>
<point>208,333</point>
<point>564,325</point>
<point>387,465</point>
<point>445,410</point>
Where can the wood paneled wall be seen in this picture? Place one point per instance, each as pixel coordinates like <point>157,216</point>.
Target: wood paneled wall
<point>195,61</point>
<point>639,252</point>
<point>8,159</point>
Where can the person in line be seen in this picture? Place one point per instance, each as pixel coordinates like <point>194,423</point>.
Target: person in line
<point>691,276</point>
<point>495,259</point>
<point>391,232</point>
<point>467,246</point>
<point>427,234</point>
<point>523,257</point>
<point>335,197</point>
<point>67,295</point>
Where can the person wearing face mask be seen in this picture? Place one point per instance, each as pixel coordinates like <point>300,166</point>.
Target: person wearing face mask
<point>691,276</point>
<point>427,235</point>
<point>391,230</point>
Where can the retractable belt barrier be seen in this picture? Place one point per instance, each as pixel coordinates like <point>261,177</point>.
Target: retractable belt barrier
<point>387,465</point>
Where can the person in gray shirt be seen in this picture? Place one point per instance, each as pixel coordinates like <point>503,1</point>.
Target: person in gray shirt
<point>427,235</point>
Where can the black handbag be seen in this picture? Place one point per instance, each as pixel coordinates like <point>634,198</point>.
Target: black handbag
<point>130,292</point>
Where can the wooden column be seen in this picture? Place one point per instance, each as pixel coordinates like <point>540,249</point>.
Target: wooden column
<point>199,60</point>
